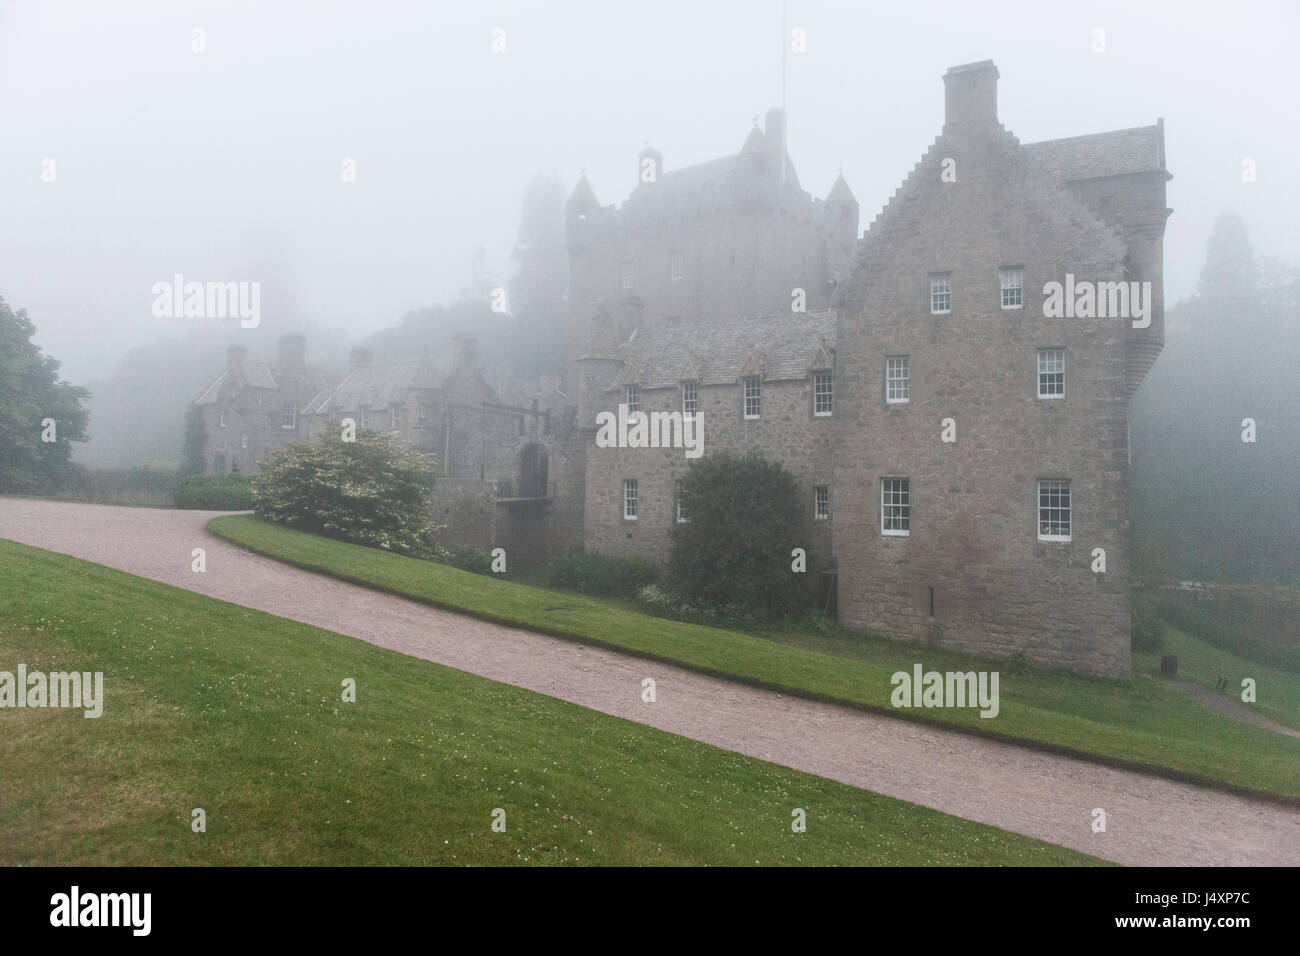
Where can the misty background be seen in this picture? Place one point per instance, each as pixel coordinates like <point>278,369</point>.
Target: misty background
<point>225,165</point>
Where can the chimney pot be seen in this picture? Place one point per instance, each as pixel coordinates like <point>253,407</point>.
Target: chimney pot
<point>292,349</point>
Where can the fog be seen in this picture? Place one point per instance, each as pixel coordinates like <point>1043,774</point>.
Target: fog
<point>226,163</point>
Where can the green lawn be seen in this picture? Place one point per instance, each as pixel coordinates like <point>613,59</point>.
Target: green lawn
<point>208,704</point>
<point>1144,723</point>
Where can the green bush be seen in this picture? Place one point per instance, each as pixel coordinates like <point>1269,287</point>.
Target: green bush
<point>372,491</point>
<point>735,549</point>
<point>656,600</point>
<point>215,493</point>
<point>591,573</point>
<point>466,557</point>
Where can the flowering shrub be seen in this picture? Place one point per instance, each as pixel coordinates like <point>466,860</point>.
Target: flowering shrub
<point>372,491</point>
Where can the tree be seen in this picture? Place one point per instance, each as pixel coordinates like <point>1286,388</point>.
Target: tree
<point>744,517</point>
<point>1203,502</point>
<point>372,491</point>
<point>539,290</point>
<point>196,439</point>
<point>37,455</point>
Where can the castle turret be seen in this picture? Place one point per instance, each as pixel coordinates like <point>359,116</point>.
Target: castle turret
<point>844,209</point>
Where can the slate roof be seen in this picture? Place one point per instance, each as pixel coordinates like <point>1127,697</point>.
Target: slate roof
<point>251,373</point>
<point>376,386</point>
<point>1116,153</point>
<point>716,352</point>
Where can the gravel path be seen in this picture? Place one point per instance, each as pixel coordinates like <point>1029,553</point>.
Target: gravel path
<point>1150,821</point>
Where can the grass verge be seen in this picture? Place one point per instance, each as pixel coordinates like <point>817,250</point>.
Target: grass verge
<point>1144,724</point>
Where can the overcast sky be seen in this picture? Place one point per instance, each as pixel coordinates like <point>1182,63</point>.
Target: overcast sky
<point>226,164</point>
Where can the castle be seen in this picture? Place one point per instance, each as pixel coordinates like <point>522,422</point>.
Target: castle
<point>963,453</point>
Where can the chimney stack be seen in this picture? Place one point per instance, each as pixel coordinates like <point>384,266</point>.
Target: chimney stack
<point>235,356</point>
<point>971,97</point>
<point>649,166</point>
<point>465,350</point>
<point>359,358</point>
<point>292,350</point>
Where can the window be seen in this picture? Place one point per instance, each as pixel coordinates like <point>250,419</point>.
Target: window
<point>682,517</point>
<point>690,399</point>
<point>365,415</point>
<point>753,394</point>
<point>632,398</point>
<point>822,393</point>
<point>626,272</point>
<point>1012,282</point>
<point>394,415</point>
<point>940,292</point>
<point>1051,373</point>
<point>895,506</point>
<point>821,502</point>
<point>221,418</point>
<point>219,465</point>
<point>629,499</point>
<point>1053,509</point>
<point>897,379</point>
<point>243,440</point>
<point>677,264</point>
<point>289,415</point>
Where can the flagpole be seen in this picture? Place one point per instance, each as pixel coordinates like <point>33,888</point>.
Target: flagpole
<point>785,119</point>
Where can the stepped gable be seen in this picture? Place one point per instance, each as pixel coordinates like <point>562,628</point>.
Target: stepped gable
<point>786,347</point>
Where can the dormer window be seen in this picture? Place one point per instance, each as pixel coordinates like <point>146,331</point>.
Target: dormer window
<point>677,264</point>
<point>690,399</point>
<point>632,398</point>
<point>753,396</point>
<point>822,394</point>
<point>625,272</point>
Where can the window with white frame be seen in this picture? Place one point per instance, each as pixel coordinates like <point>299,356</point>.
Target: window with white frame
<point>897,379</point>
<point>632,398</point>
<point>822,393</point>
<point>677,264</point>
<point>822,502</point>
<point>1053,509</point>
<point>394,415</point>
<point>365,416</point>
<point>940,292</point>
<point>629,499</point>
<point>1051,373</point>
<point>625,271</point>
<point>895,506</point>
<point>219,465</point>
<point>289,415</point>
<point>753,396</point>
<point>1012,282</point>
<point>682,516</point>
<point>690,398</point>
<point>243,440</point>
<point>221,418</point>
